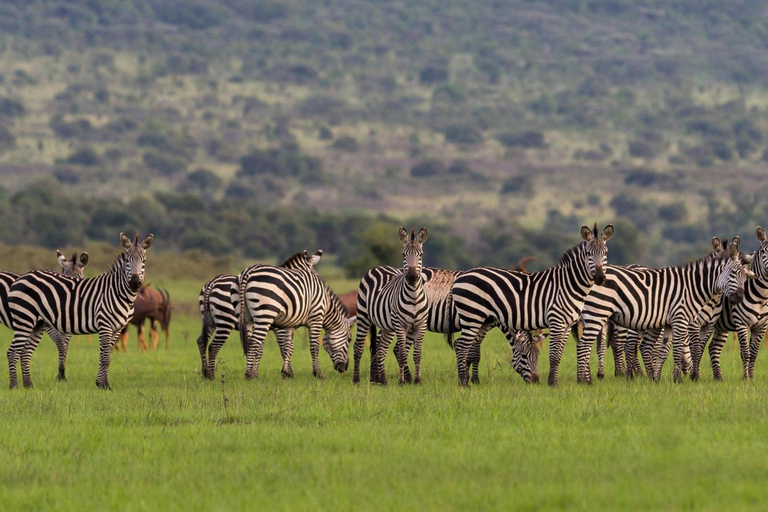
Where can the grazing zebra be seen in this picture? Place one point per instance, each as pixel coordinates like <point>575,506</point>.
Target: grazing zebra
<point>397,306</point>
<point>437,288</point>
<point>747,318</point>
<point>641,298</point>
<point>220,308</point>
<point>101,304</point>
<point>523,302</point>
<point>69,267</point>
<point>287,298</point>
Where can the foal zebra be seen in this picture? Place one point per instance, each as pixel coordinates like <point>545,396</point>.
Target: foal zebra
<point>641,298</point>
<point>220,307</point>
<point>524,302</point>
<point>287,298</point>
<point>398,306</point>
<point>69,267</point>
<point>747,318</point>
<point>437,288</point>
<point>101,304</point>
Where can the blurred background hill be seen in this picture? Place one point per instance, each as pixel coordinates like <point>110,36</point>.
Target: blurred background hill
<point>258,128</point>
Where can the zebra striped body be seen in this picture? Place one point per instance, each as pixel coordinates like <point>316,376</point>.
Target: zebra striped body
<point>288,298</point>
<point>69,267</point>
<point>643,298</point>
<point>437,288</point>
<point>525,302</point>
<point>102,304</point>
<point>398,307</point>
<point>749,319</point>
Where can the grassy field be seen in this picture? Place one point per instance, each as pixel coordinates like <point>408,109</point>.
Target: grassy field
<point>164,439</point>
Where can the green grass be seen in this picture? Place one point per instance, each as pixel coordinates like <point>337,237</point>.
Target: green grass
<point>164,439</point>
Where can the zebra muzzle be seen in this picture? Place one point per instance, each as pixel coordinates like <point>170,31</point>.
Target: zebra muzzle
<point>411,277</point>
<point>599,277</point>
<point>736,297</point>
<point>134,282</point>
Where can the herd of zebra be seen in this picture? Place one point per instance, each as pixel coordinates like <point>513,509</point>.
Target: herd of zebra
<point>679,306</point>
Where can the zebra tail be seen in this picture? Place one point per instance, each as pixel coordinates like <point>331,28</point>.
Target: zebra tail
<point>243,314</point>
<point>449,319</point>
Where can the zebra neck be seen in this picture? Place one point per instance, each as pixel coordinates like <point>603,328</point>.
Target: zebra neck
<point>756,291</point>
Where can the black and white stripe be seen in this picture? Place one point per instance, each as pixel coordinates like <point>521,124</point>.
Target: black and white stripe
<point>287,298</point>
<point>524,302</point>
<point>749,319</point>
<point>641,298</point>
<point>396,305</point>
<point>102,305</point>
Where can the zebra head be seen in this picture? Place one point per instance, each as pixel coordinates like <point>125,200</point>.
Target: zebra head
<point>733,273</point>
<point>413,253</point>
<point>760,258</point>
<point>596,251</point>
<point>338,333</point>
<point>525,355</point>
<point>72,267</point>
<point>134,257</point>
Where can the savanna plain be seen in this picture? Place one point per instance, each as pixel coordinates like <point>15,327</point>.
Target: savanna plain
<point>165,439</point>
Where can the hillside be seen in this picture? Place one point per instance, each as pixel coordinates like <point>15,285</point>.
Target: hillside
<point>505,125</point>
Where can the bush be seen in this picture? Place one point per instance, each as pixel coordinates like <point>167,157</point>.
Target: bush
<point>285,160</point>
<point>427,168</point>
<point>7,139</point>
<point>529,139</point>
<point>463,134</point>
<point>431,75</point>
<point>10,107</point>
<point>346,143</point>
<point>325,133</point>
<point>642,177</point>
<point>164,163</point>
<point>460,166</point>
<point>85,156</point>
<point>518,185</point>
<point>77,129</point>
<point>675,212</point>
<point>67,175</point>
<point>639,148</point>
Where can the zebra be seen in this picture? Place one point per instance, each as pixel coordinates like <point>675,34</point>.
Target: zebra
<point>437,288</point>
<point>642,298</point>
<point>748,318</point>
<point>69,267</point>
<point>220,308</point>
<point>552,298</point>
<point>287,298</point>
<point>101,304</point>
<point>397,306</point>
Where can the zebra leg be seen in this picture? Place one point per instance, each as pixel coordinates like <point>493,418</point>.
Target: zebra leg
<point>754,347</point>
<point>462,348</point>
<point>400,354</point>
<point>473,360</point>
<point>314,347</point>
<point>630,352</point>
<point>107,338</point>
<point>363,325</point>
<point>649,353</point>
<point>557,336</point>
<point>743,333</point>
<point>202,342</point>
<point>213,350</point>
<point>618,343</point>
<point>660,353</point>
<point>285,342</point>
<point>255,348</point>
<point>418,338</point>
<point>62,344</point>
<point>679,339</point>
<point>385,339</point>
<point>600,347</point>
<point>14,354</point>
<point>715,349</point>
<point>32,342</point>
<point>698,337</point>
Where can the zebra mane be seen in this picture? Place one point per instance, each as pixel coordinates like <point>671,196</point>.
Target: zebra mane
<point>571,254</point>
<point>118,261</point>
<point>335,300</point>
<point>293,259</point>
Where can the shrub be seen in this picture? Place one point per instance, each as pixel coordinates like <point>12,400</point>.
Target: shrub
<point>460,166</point>
<point>85,156</point>
<point>325,133</point>
<point>346,143</point>
<point>721,149</point>
<point>639,148</point>
<point>427,168</point>
<point>642,177</point>
<point>529,139</point>
<point>10,107</point>
<point>77,129</point>
<point>67,175</point>
<point>431,74</point>
<point>518,185</point>
<point>164,163</point>
<point>675,212</point>
<point>7,139</point>
<point>463,134</point>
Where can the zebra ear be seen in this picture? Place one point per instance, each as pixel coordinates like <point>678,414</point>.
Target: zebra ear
<point>315,258</point>
<point>608,232</point>
<point>760,234</point>
<point>423,235</point>
<point>125,241</point>
<point>403,234</point>
<point>586,233</point>
<point>83,260</point>
<point>62,259</point>
<point>147,243</point>
<point>717,245</point>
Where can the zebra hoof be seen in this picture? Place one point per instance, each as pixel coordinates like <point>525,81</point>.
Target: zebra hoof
<point>61,378</point>
<point>600,375</point>
<point>287,374</point>
<point>464,383</point>
<point>474,380</point>
<point>552,381</point>
<point>417,380</point>
<point>28,385</point>
<point>318,375</point>
<point>103,385</point>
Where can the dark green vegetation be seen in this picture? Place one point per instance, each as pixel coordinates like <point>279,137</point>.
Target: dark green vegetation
<point>166,439</point>
<point>260,127</point>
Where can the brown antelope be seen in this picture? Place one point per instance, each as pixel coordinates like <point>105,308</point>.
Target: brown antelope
<point>155,306</point>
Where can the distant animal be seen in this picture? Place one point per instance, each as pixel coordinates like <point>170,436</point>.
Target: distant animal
<point>101,304</point>
<point>349,300</point>
<point>69,267</point>
<point>155,306</point>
